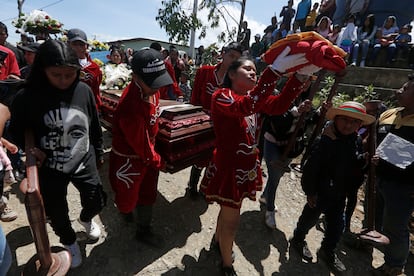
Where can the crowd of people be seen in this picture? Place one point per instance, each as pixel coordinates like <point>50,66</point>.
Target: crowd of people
<point>349,27</point>
<point>60,102</point>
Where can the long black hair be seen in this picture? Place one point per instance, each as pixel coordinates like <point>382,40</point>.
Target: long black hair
<point>227,83</point>
<point>370,27</point>
<point>51,53</point>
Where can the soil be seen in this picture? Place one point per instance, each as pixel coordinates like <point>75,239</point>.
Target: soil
<point>188,226</point>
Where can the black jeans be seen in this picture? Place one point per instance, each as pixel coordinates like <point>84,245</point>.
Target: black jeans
<point>53,187</point>
<point>334,216</point>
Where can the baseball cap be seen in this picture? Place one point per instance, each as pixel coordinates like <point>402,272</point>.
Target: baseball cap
<point>30,47</point>
<point>149,65</point>
<point>77,35</point>
<point>257,35</point>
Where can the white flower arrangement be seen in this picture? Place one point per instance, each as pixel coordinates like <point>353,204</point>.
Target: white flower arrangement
<point>116,77</point>
<point>38,22</point>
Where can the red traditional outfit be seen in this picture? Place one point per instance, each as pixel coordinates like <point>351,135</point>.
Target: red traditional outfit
<point>205,83</point>
<point>91,74</point>
<point>9,66</point>
<point>234,171</point>
<point>134,163</point>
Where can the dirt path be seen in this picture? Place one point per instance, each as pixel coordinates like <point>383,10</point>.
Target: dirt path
<point>188,226</point>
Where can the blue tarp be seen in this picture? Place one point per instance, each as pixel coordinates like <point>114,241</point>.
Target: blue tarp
<point>101,55</point>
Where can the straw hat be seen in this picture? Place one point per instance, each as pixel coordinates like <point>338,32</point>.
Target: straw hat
<point>351,109</point>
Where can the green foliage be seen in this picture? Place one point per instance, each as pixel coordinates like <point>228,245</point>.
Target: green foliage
<point>369,95</point>
<point>178,23</point>
<point>323,94</point>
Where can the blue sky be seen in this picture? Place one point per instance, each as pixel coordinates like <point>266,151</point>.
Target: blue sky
<point>113,20</point>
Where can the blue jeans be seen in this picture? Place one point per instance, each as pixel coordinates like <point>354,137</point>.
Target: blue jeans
<point>398,206</point>
<point>364,50</point>
<point>272,153</point>
<point>5,254</point>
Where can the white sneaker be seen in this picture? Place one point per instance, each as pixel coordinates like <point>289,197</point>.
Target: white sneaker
<point>362,63</point>
<point>92,229</point>
<point>75,253</point>
<point>353,63</point>
<point>270,220</point>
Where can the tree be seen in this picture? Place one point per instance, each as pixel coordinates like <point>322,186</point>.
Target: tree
<point>178,24</point>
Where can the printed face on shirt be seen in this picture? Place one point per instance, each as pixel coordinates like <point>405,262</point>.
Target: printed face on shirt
<point>61,77</point>
<point>244,78</point>
<point>67,140</point>
<point>347,125</point>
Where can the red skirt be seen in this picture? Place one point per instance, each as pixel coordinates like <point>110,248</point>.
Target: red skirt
<point>228,185</point>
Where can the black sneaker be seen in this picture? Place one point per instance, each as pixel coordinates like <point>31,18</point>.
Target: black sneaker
<point>148,237</point>
<point>229,271</point>
<point>332,260</point>
<point>302,249</point>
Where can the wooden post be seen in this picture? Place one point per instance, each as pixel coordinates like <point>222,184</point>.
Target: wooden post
<point>44,262</point>
<point>281,163</point>
<point>319,125</point>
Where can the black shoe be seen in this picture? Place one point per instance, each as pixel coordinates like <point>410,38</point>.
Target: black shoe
<point>229,271</point>
<point>192,192</point>
<point>148,237</point>
<point>332,260</point>
<point>214,245</point>
<point>302,249</point>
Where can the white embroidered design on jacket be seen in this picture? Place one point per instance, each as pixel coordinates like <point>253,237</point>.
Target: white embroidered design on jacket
<point>122,174</point>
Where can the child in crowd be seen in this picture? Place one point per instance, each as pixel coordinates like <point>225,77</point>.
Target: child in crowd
<point>60,111</point>
<point>90,71</point>
<point>332,166</point>
<point>348,35</point>
<point>234,172</point>
<point>6,178</point>
<point>134,164</point>
<point>5,161</point>
<point>403,39</point>
<point>185,87</point>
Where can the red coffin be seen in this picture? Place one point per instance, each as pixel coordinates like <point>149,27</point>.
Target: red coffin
<point>185,136</point>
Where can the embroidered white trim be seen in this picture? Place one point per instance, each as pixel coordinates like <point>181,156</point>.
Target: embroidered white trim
<point>249,149</point>
<point>242,176</point>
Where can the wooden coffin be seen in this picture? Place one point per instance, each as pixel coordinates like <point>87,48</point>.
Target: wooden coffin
<point>185,135</point>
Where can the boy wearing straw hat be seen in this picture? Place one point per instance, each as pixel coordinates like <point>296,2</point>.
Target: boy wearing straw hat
<point>335,163</point>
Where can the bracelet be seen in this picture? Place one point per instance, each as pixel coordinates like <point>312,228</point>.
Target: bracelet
<point>277,73</point>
